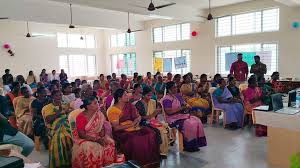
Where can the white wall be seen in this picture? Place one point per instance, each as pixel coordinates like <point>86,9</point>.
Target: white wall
<point>39,52</point>
<point>203,46</point>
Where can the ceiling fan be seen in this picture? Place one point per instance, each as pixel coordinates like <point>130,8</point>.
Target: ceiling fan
<point>71,26</point>
<point>152,7</point>
<point>128,24</point>
<point>29,35</point>
<point>210,17</point>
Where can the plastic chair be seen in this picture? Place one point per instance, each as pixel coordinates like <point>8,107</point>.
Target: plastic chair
<point>174,131</point>
<point>215,112</point>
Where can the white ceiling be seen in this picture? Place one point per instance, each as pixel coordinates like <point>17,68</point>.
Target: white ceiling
<point>108,13</point>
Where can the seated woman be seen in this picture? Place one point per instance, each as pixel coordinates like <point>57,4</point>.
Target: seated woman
<point>92,147</point>
<point>148,109</point>
<point>68,96</point>
<point>253,97</point>
<point>136,94</point>
<point>203,87</point>
<point>159,85</point>
<point>136,142</point>
<point>177,80</point>
<point>233,108</point>
<point>55,115</point>
<point>108,100</point>
<point>23,114</point>
<point>200,106</point>
<point>39,127</point>
<point>191,127</point>
<point>277,86</point>
<point>217,77</point>
<point>235,91</point>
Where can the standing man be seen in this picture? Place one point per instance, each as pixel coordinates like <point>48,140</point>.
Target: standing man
<point>7,81</point>
<point>239,69</point>
<point>258,69</point>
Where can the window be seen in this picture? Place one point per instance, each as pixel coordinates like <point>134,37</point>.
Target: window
<point>123,63</point>
<point>172,33</point>
<point>78,65</point>
<point>173,54</point>
<point>75,41</point>
<point>267,51</point>
<point>252,22</point>
<point>122,40</point>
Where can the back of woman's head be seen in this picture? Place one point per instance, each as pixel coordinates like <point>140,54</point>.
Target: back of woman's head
<point>15,85</point>
<point>54,92</point>
<point>135,86</point>
<point>219,81</point>
<point>202,76</point>
<point>177,76</point>
<point>185,77</point>
<point>230,79</point>
<point>87,101</point>
<point>274,74</point>
<point>146,90</point>
<point>217,76</point>
<point>169,85</point>
<point>65,86</point>
<point>40,90</point>
<point>118,94</point>
<point>252,80</point>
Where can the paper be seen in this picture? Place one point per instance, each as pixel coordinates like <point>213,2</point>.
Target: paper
<point>167,64</point>
<point>180,62</point>
<point>120,64</point>
<point>158,64</point>
<point>32,165</point>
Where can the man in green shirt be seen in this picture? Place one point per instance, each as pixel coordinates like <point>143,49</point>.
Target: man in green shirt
<point>258,69</point>
<point>10,135</point>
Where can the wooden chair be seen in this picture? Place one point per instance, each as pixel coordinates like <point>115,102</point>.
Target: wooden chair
<point>215,112</point>
<point>174,131</point>
<point>242,89</point>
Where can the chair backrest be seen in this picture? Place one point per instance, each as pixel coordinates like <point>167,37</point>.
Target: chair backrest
<point>243,86</point>
<point>163,111</point>
<point>211,91</point>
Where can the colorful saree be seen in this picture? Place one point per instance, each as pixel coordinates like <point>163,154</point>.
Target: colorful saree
<point>189,94</point>
<point>190,126</point>
<point>249,94</point>
<point>23,114</point>
<point>136,143</point>
<point>234,111</point>
<point>60,150</point>
<point>88,154</point>
<point>162,131</point>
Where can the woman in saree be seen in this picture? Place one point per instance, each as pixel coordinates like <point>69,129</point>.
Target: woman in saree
<point>175,108</point>
<point>136,94</point>
<point>235,91</point>
<point>149,110</point>
<point>159,85</point>
<point>22,111</point>
<point>200,107</point>
<point>253,97</point>
<point>55,115</point>
<point>68,96</point>
<point>108,100</point>
<point>203,88</point>
<point>39,127</point>
<point>177,80</point>
<point>277,86</point>
<point>136,142</point>
<point>10,96</point>
<point>92,146</point>
<point>233,108</point>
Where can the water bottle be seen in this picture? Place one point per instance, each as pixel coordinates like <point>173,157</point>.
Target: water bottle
<point>298,98</point>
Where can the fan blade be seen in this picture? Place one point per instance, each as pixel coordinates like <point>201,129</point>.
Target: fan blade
<point>136,30</point>
<point>205,17</point>
<point>221,16</point>
<point>3,18</point>
<point>166,5</point>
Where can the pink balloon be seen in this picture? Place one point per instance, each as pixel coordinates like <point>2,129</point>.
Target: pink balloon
<point>6,46</point>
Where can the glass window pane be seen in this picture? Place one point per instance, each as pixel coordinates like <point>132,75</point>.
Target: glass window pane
<point>185,31</point>
<point>169,33</point>
<point>113,41</point>
<point>91,66</point>
<point>63,63</point>
<point>90,41</point>
<point>224,26</point>
<point>62,40</point>
<point>271,20</point>
<point>157,35</point>
<point>121,40</point>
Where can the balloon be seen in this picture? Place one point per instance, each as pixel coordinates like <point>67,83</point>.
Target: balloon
<point>194,33</point>
<point>296,25</point>
<point>6,46</point>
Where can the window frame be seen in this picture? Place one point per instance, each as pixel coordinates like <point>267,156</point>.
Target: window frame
<point>232,49</point>
<point>127,42</point>
<point>189,61</point>
<point>162,33</point>
<point>248,12</point>
<point>67,45</point>
<point>124,54</point>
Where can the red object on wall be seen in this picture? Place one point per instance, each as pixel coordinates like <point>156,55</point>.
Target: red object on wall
<point>6,46</point>
<point>194,33</point>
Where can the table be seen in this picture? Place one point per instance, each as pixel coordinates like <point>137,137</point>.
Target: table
<point>283,136</point>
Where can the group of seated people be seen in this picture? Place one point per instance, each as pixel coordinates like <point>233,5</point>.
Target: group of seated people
<point>92,125</point>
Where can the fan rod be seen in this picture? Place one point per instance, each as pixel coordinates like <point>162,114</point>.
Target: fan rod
<point>209,7</point>
<point>71,13</point>
<point>128,20</point>
<point>27,27</point>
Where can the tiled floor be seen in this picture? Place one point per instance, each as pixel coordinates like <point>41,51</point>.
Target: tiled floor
<point>226,149</point>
